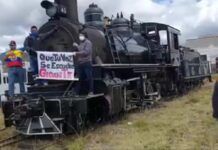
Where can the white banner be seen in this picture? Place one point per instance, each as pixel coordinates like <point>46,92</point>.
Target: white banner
<point>56,65</point>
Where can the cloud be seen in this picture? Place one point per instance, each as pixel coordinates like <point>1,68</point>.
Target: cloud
<point>16,18</point>
<point>163,1</point>
<point>193,17</point>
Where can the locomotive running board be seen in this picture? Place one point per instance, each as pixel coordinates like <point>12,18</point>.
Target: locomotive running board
<point>132,65</point>
<point>42,125</point>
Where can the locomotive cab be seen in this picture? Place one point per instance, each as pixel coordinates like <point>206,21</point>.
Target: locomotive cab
<point>163,42</point>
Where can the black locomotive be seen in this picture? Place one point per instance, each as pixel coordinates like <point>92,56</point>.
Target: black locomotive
<point>134,65</point>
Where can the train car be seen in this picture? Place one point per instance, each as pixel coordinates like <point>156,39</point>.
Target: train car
<point>134,65</point>
<point>195,67</point>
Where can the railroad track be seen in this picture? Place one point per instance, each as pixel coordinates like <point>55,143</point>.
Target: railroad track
<point>11,140</point>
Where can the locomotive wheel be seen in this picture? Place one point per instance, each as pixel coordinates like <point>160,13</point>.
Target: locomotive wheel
<point>158,88</point>
<point>145,93</point>
<point>147,87</point>
<point>79,123</point>
<point>182,89</point>
<point>175,89</point>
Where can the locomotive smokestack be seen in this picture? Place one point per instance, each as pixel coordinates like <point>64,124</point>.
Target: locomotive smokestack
<point>72,9</point>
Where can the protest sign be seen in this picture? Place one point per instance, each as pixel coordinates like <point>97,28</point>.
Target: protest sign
<point>56,65</point>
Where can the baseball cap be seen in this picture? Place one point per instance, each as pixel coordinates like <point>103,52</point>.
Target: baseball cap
<point>12,43</point>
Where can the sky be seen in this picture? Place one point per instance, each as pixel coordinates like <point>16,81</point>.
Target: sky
<point>195,18</point>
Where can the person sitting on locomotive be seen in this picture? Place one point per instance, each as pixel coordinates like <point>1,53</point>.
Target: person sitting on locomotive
<point>14,62</point>
<point>31,45</point>
<point>84,62</point>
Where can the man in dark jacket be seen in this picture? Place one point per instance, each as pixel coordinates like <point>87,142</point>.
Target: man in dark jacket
<point>84,61</point>
<point>215,101</point>
<point>31,45</point>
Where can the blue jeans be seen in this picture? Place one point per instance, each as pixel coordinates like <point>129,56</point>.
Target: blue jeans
<point>34,64</point>
<point>35,69</point>
<point>84,72</point>
<point>16,74</point>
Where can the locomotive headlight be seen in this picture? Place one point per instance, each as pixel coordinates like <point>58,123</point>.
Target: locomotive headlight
<point>51,8</point>
<point>52,11</point>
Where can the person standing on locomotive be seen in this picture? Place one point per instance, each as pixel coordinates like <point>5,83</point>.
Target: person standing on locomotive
<point>31,45</point>
<point>14,62</point>
<point>84,62</point>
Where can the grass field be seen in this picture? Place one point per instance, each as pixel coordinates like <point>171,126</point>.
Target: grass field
<point>185,123</point>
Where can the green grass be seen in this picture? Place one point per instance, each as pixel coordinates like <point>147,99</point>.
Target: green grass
<point>183,124</point>
<point>77,144</point>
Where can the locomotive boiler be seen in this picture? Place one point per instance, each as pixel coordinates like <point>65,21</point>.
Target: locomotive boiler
<point>134,65</point>
<point>120,36</point>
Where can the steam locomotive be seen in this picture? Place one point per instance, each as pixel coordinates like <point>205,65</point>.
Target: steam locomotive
<point>134,65</point>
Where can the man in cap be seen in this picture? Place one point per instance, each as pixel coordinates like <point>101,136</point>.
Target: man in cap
<point>14,63</point>
<point>84,62</point>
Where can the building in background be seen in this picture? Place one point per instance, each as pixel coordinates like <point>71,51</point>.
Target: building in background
<point>206,45</point>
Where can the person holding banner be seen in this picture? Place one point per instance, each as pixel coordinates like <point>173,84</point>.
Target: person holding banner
<point>14,62</point>
<point>84,62</point>
<point>31,45</point>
